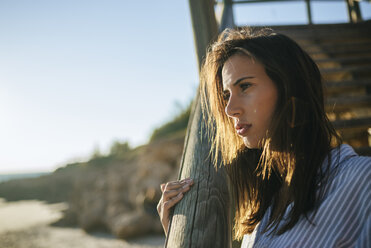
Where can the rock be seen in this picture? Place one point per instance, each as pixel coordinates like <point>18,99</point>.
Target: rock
<point>137,223</point>
<point>122,197</point>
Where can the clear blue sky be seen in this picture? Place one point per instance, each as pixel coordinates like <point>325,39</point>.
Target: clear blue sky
<point>78,74</point>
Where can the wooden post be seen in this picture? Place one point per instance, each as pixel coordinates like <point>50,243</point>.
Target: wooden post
<point>202,218</point>
<point>227,20</point>
<point>354,11</point>
<point>309,12</point>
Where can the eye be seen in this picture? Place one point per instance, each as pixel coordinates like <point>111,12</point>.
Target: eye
<point>245,86</point>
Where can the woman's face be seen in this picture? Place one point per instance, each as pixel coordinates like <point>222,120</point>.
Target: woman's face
<point>251,98</point>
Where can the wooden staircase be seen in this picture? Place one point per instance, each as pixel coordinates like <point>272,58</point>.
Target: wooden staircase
<point>343,54</point>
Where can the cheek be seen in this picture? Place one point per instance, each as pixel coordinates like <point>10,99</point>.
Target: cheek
<point>265,108</point>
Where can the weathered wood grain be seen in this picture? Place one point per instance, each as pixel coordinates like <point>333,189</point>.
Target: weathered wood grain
<point>202,218</point>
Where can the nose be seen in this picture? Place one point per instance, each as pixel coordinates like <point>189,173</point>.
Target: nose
<point>233,108</point>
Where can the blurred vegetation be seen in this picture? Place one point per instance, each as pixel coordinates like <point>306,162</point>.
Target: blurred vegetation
<point>58,186</point>
<point>51,188</point>
<point>177,126</point>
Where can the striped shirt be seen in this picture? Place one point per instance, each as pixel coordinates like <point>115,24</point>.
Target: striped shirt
<point>343,217</point>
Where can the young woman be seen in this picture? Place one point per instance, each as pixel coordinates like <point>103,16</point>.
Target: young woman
<point>294,183</point>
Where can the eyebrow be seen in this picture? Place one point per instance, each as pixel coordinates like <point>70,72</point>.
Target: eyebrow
<point>240,79</point>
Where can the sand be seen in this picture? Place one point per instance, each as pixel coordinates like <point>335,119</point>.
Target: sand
<point>26,224</point>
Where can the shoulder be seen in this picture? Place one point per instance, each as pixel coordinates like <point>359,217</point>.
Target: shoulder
<point>347,165</point>
<point>355,170</point>
<point>351,181</point>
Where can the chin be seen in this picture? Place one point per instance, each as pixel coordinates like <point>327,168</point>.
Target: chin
<point>250,144</point>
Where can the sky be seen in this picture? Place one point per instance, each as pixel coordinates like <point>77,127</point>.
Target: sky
<point>76,75</point>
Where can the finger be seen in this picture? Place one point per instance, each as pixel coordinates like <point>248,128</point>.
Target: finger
<point>185,179</point>
<point>168,194</point>
<point>176,184</point>
<point>170,203</point>
<point>162,187</point>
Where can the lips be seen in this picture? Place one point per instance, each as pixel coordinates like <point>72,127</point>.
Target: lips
<point>242,128</point>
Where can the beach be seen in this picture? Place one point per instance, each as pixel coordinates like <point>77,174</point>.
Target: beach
<point>26,224</point>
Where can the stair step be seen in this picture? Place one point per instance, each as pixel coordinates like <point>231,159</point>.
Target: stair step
<point>354,59</point>
<point>326,41</point>
<point>346,69</point>
<point>341,103</point>
<point>338,43</point>
<point>364,122</point>
<point>348,84</point>
<point>363,151</point>
<point>327,31</point>
<point>350,50</point>
<point>331,47</point>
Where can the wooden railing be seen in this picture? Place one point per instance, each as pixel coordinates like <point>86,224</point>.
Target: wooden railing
<point>353,7</point>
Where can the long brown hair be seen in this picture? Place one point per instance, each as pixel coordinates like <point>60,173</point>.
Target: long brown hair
<point>287,169</point>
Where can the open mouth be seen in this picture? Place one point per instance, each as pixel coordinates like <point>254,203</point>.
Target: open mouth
<point>243,129</point>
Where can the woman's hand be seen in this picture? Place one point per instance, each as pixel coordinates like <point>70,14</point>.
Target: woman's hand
<point>172,193</point>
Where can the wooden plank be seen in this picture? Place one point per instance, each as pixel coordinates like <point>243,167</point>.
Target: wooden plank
<point>351,50</point>
<point>338,48</point>
<point>307,41</point>
<point>347,87</point>
<point>364,122</point>
<point>347,84</point>
<point>338,42</point>
<point>308,30</point>
<point>355,59</point>
<point>363,151</point>
<point>327,32</point>
<point>346,69</point>
<point>337,104</point>
<point>202,218</point>
<point>300,28</point>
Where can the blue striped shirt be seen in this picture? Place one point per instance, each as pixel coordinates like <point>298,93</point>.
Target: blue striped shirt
<point>343,217</point>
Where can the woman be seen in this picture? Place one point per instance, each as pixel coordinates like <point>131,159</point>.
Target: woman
<point>294,183</point>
